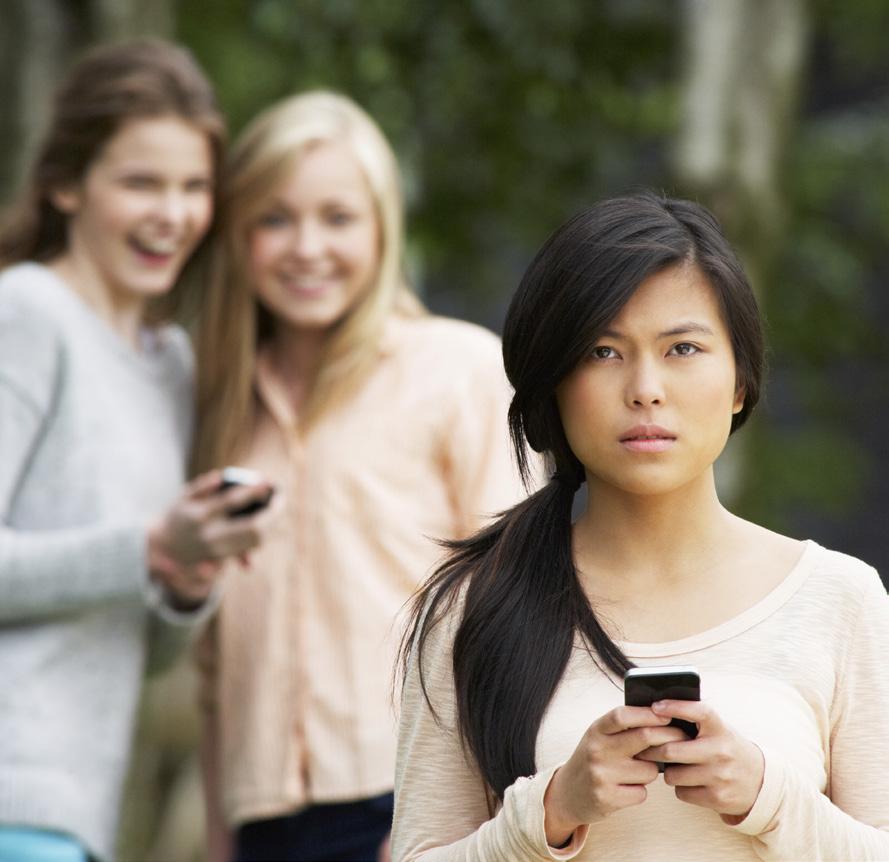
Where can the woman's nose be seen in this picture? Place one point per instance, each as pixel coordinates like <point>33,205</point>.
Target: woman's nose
<point>645,386</point>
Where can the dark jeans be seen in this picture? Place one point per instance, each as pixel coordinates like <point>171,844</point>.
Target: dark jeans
<point>341,832</point>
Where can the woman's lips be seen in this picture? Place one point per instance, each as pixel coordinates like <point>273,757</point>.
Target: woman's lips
<point>308,288</point>
<point>648,438</point>
<point>152,257</point>
<point>648,444</point>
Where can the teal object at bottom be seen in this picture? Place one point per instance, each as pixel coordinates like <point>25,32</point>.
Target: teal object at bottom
<point>19,844</point>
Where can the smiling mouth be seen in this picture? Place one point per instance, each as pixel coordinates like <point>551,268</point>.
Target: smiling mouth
<point>154,249</point>
<point>308,286</point>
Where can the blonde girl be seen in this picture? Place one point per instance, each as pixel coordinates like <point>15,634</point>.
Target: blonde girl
<point>383,425</point>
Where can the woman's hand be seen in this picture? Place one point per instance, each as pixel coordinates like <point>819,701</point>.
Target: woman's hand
<point>187,543</point>
<point>719,770</point>
<point>603,775</point>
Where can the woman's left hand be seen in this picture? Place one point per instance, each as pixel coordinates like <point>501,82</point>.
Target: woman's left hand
<point>719,769</point>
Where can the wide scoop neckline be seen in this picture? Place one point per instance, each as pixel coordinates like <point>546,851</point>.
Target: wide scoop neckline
<point>745,620</point>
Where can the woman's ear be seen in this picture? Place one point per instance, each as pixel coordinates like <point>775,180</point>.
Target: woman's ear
<point>740,396</point>
<point>66,200</point>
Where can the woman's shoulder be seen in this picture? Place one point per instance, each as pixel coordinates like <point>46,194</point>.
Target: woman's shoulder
<point>32,332</point>
<point>435,334</point>
<point>31,309</point>
<point>846,574</point>
<point>30,287</point>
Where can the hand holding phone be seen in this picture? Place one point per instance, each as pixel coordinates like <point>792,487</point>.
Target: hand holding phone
<point>723,771</point>
<point>645,685</point>
<point>241,477</point>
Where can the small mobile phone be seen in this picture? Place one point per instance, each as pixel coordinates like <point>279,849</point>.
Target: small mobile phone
<point>644,685</point>
<point>232,476</point>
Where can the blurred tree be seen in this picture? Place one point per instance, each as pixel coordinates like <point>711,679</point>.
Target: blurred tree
<point>743,67</point>
<point>38,40</point>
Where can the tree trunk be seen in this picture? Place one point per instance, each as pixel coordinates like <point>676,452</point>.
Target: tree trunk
<point>744,60</point>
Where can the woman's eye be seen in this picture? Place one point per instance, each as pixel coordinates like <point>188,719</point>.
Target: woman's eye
<point>272,220</point>
<point>199,186</point>
<point>138,182</point>
<point>603,352</point>
<point>340,218</point>
<point>684,349</point>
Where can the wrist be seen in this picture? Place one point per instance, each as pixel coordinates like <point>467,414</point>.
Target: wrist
<point>558,827</point>
<point>161,564</point>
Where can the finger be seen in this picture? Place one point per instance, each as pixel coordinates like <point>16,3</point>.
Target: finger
<point>682,775</point>
<point>226,503</point>
<point>684,750</point>
<point>635,772</point>
<point>231,537</point>
<point>627,717</point>
<point>632,742</point>
<point>626,795</point>
<point>204,485</point>
<point>698,712</point>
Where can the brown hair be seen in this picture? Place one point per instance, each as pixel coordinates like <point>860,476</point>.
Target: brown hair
<point>108,86</point>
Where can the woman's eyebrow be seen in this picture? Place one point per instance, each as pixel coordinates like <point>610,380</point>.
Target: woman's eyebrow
<point>686,327</point>
<point>683,328</point>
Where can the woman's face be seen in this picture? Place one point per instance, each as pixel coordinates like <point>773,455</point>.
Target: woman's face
<point>650,410</point>
<point>142,206</point>
<point>314,249</point>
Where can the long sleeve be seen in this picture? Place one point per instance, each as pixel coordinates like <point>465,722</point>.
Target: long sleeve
<point>47,571</point>
<point>441,808</point>
<point>791,820</point>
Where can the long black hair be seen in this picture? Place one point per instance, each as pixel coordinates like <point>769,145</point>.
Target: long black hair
<point>523,603</point>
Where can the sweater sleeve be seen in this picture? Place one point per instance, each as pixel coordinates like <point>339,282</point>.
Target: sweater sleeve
<point>791,820</point>
<point>441,806</point>
<point>49,571</point>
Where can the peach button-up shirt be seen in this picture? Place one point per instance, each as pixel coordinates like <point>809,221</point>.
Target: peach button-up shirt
<point>297,666</point>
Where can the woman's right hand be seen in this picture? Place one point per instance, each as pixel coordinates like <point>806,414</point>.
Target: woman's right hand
<point>602,776</point>
<point>186,544</point>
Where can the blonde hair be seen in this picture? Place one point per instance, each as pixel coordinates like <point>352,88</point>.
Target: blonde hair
<point>232,324</point>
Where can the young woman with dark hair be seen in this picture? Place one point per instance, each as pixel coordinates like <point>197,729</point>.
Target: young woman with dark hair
<point>106,561</point>
<point>634,346</point>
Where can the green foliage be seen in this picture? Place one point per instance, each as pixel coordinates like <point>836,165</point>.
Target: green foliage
<point>507,116</point>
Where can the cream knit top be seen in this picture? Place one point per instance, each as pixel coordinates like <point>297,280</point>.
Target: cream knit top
<point>804,674</point>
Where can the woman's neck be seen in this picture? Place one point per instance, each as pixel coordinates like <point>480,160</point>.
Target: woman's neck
<point>653,541</point>
<point>123,313</point>
<point>296,357</point>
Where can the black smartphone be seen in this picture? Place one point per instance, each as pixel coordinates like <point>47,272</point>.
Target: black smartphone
<point>232,476</point>
<point>644,685</point>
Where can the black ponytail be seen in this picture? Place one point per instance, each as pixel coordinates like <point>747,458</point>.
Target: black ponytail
<point>524,606</point>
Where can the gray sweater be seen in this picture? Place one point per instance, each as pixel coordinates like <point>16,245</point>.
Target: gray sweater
<point>93,440</point>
